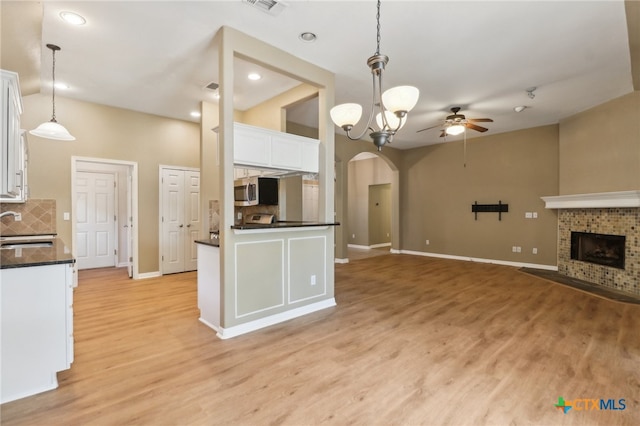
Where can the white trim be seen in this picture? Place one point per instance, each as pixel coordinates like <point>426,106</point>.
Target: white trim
<point>144,275</point>
<point>595,200</point>
<point>122,265</point>
<point>481,260</point>
<point>356,246</point>
<point>395,251</point>
<point>279,229</point>
<point>380,245</point>
<point>341,260</point>
<point>237,330</point>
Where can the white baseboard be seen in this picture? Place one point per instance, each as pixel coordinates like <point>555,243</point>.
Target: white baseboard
<point>237,330</point>
<point>380,245</point>
<point>356,246</point>
<point>149,275</point>
<point>340,260</point>
<point>481,260</point>
<point>122,265</point>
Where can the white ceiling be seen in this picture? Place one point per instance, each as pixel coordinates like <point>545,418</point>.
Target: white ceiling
<point>157,56</point>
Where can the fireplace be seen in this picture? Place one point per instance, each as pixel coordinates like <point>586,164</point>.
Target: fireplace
<point>613,214</point>
<point>601,249</point>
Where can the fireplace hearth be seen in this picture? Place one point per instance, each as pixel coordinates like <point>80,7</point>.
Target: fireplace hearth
<point>601,249</point>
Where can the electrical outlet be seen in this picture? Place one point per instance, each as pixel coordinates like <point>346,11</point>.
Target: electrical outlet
<point>535,215</point>
<point>66,215</point>
<point>353,236</point>
<point>514,249</point>
<point>519,249</point>
<point>426,242</point>
<point>18,217</point>
<point>528,215</point>
<point>313,280</point>
<point>534,251</point>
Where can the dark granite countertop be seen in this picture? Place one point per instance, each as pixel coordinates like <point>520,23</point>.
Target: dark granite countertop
<point>283,224</point>
<point>209,242</point>
<point>24,257</point>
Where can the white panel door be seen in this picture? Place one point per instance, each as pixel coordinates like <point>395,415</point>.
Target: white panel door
<point>172,221</point>
<point>95,220</point>
<point>192,218</point>
<point>180,219</point>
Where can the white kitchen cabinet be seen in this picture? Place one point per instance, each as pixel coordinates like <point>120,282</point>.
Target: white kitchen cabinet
<point>37,328</point>
<point>264,148</point>
<point>14,145</point>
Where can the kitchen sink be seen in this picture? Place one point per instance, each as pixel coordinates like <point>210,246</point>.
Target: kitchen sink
<point>25,244</point>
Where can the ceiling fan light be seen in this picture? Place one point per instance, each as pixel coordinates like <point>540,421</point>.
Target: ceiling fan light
<point>455,129</point>
<point>346,114</point>
<point>52,130</point>
<point>392,120</point>
<point>400,98</point>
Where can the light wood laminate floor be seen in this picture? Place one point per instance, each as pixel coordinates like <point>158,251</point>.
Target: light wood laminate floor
<point>413,340</point>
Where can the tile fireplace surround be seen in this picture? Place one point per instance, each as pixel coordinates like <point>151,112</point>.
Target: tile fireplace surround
<point>615,213</point>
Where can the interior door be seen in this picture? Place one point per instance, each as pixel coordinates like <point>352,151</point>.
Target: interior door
<point>192,218</point>
<point>180,219</point>
<point>379,214</point>
<point>129,226</point>
<point>172,221</point>
<point>95,220</point>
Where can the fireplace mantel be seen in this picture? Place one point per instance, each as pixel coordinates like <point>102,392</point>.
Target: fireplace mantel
<point>595,201</point>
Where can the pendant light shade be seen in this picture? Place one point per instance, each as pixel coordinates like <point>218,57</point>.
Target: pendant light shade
<point>400,98</point>
<point>52,129</point>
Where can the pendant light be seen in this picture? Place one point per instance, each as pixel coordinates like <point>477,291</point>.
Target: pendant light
<point>393,104</point>
<point>51,129</point>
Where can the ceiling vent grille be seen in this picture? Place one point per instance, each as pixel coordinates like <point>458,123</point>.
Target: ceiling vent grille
<point>211,86</point>
<point>272,7</point>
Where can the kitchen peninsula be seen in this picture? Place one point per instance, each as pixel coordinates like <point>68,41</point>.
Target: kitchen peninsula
<point>279,275</point>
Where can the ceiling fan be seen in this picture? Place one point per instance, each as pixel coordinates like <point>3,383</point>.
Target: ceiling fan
<point>456,123</point>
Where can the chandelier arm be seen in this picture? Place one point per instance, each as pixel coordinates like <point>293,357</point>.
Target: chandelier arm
<point>367,126</point>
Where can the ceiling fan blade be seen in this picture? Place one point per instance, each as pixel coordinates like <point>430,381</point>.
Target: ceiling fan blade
<point>443,134</point>
<point>480,120</point>
<point>428,128</point>
<point>476,128</point>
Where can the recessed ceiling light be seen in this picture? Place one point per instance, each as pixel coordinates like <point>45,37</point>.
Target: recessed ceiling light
<point>254,76</point>
<point>307,37</point>
<point>195,114</point>
<point>519,108</point>
<point>72,18</point>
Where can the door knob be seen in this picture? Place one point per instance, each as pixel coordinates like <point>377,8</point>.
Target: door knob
<point>181,225</point>
<point>189,226</point>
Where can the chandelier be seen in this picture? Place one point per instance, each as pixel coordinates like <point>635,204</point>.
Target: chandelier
<point>392,105</point>
<point>51,129</point>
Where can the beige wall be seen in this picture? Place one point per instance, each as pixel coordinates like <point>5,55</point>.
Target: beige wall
<point>271,113</point>
<point>600,148</point>
<point>516,168</point>
<point>114,134</point>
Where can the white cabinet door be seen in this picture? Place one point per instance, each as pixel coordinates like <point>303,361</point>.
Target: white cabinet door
<point>286,152</point>
<point>12,168</point>
<point>264,148</point>
<point>251,146</point>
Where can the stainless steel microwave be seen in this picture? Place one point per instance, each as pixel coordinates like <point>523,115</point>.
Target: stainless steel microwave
<point>255,190</point>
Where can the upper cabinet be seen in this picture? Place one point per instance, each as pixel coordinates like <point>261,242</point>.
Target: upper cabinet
<point>264,148</point>
<point>14,145</point>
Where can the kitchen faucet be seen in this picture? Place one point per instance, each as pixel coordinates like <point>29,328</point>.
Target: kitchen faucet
<point>16,216</point>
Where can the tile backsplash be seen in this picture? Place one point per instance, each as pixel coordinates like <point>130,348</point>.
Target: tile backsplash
<point>38,217</point>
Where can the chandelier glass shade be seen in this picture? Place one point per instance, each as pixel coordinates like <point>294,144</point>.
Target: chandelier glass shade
<point>52,129</point>
<point>392,105</point>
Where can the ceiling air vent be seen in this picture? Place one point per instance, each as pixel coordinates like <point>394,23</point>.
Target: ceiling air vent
<point>211,86</point>
<point>272,7</point>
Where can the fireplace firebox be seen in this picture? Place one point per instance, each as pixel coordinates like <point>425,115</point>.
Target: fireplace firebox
<point>601,249</point>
